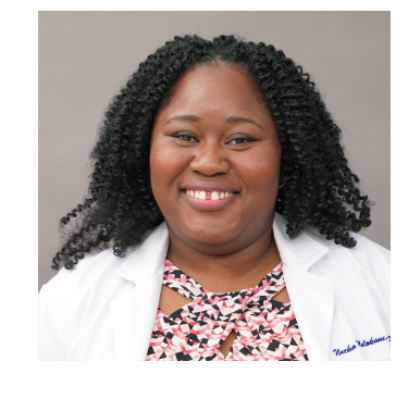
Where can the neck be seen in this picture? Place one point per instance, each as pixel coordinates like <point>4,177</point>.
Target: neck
<point>228,272</point>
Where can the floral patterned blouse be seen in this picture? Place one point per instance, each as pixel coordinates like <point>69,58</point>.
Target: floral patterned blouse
<point>266,329</point>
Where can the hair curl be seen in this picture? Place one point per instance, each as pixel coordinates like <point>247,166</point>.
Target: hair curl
<point>320,190</point>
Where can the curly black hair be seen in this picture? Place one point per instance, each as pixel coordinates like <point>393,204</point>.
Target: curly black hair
<point>320,190</point>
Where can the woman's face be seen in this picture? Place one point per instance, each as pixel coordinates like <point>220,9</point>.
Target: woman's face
<point>215,160</point>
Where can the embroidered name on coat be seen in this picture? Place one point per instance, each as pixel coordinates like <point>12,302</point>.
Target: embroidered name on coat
<point>360,343</point>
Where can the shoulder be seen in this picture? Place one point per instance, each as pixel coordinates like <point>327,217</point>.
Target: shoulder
<point>75,299</point>
<point>367,254</point>
<point>103,271</point>
<point>360,272</point>
<point>91,285</point>
<point>312,246</point>
<point>360,275</point>
<point>89,272</point>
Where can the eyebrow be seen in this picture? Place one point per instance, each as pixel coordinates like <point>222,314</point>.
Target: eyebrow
<point>194,118</point>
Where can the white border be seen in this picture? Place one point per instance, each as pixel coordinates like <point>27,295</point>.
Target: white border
<point>19,187</point>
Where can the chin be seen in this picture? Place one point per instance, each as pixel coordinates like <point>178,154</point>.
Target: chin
<point>211,234</point>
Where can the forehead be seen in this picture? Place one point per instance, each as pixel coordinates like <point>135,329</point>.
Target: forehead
<point>215,85</point>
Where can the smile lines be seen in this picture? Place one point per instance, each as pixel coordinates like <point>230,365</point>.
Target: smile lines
<point>203,195</point>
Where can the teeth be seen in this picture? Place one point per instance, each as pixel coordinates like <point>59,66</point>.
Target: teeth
<point>214,196</point>
<point>203,195</point>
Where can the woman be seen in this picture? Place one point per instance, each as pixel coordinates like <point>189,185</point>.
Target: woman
<point>218,220</point>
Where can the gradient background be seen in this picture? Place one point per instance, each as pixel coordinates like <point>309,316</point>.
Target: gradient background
<point>85,57</point>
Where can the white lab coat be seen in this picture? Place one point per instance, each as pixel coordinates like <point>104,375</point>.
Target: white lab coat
<point>105,308</point>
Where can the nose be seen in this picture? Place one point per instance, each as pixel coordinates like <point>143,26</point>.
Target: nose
<point>210,159</point>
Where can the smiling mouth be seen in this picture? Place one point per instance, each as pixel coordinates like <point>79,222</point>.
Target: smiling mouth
<point>211,196</point>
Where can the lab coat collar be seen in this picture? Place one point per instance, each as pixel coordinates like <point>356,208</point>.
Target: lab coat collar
<point>299,253</point>
<point>148,258</point>
<point>311,295</point>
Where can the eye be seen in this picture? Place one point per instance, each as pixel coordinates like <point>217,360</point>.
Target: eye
<point>187,137</point>
<point>242,139</point>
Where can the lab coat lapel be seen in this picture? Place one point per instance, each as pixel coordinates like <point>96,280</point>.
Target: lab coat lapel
<point>134,313</point>
<point>311,295</point>
<point>133,319</point>
<point>312,300</point>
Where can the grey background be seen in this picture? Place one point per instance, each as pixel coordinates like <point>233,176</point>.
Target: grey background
<point>85,57</point>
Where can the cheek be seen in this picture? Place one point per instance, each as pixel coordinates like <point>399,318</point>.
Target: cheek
<point>165,165</point>
<point>261,171</point>
<point>158,158</point>
<point>158,163</point>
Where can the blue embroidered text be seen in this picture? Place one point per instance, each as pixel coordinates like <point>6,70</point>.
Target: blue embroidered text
<point>361,343</point>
